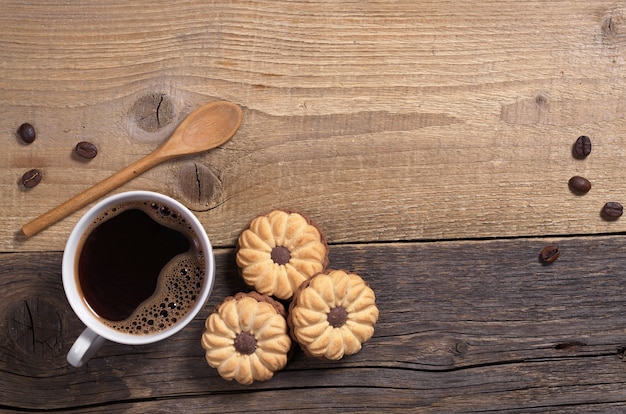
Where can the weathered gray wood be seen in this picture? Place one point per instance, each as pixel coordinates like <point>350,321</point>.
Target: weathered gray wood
<point>468,326</point>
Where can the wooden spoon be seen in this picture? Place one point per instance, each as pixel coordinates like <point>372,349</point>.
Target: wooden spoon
<point>205,128</point>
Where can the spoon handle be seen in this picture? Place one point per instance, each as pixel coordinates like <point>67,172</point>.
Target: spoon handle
<point>93,193</point>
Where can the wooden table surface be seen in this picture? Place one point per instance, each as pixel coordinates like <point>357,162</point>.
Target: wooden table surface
<point>431,141</point>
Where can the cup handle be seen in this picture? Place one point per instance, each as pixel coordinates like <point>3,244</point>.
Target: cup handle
<point>84,347</point>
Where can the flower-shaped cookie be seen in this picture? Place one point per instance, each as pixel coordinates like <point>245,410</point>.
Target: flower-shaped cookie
<point>246,338</point>
<point>332,314</point>
<point>279,251</point>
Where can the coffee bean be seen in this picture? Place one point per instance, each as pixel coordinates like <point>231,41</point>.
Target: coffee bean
<point>26,132</point>
<point>579,184</point>
<point>31,178</point>
<point>549,254</point>
<point>582,147</point>
<point>612,210</point>
<point>86,150</point>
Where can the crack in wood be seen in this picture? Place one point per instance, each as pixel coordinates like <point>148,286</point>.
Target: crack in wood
<point>32,323</point>
<point>198,183</point>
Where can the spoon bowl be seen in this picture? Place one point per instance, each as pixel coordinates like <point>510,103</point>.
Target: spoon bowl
<point>206,128</point>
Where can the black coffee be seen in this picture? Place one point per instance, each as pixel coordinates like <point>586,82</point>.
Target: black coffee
<point>139,269</point>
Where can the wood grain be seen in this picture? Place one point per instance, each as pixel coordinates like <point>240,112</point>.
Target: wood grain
<point>464,326</point>
<point>386,121</point>
<point>431,141</point>
<point>206,128</point>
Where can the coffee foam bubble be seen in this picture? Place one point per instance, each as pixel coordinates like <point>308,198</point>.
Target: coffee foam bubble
<point>180,281</point>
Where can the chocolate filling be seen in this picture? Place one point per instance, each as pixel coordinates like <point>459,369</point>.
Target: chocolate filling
<point>280,255</point>
<point>245,343</point>
<point>337,317</point>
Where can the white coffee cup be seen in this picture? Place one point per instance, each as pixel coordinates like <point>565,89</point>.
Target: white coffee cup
<point>97,330</point>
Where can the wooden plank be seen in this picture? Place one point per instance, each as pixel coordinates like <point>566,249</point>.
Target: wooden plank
<point>464,326</point>
<point>385,121</point>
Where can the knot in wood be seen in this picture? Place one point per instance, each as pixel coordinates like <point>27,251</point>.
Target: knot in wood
<point>609,27</point>
<point>35,328</point>
<point>199,186</point>
<point>541,100</point>
<point>153,112</point>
